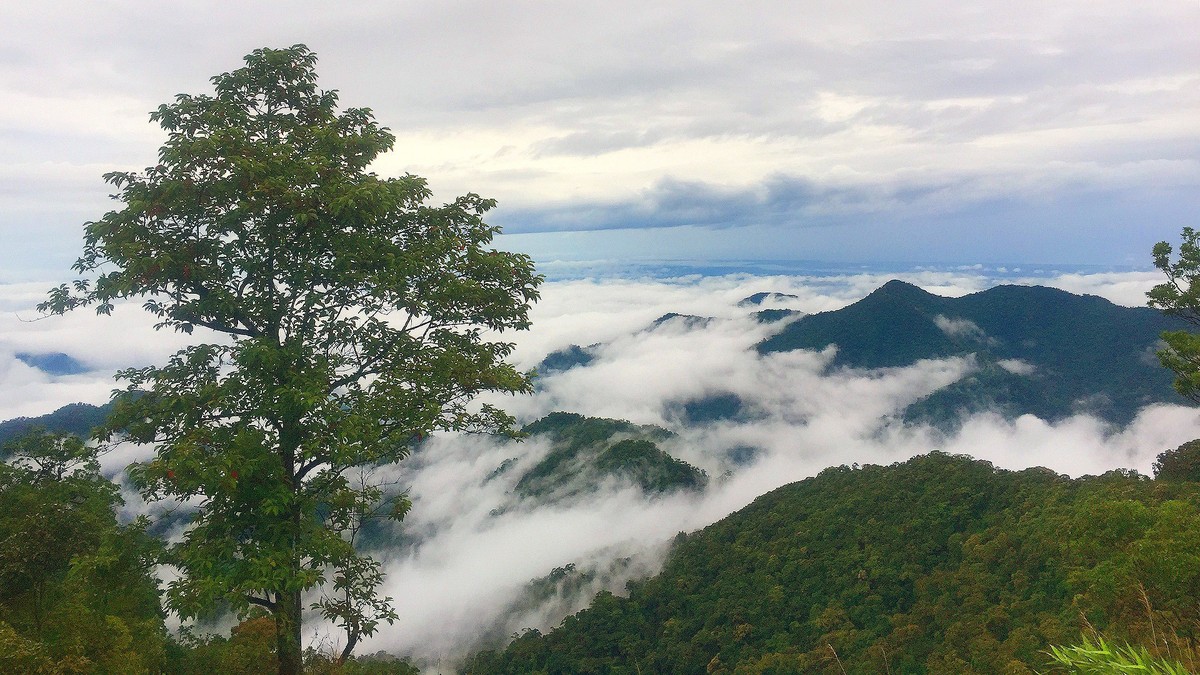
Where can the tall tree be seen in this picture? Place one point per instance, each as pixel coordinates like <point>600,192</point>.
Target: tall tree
<point>1180,296</point>
<point>349,318</point>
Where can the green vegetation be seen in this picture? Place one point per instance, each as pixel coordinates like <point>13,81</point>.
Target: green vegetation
<point>77,418</point>
<point>1180,297</point>
<point>940,564</point>
<point>350,318</point>
<point>1103,659</point>
<point>1075,353</point>
<point>76,589</point>
<point>1182,463</point>
<point>586,450</point>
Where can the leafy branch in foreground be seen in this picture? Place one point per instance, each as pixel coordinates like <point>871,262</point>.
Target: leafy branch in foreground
<point>1102,658</point>
<point>1180,296</point>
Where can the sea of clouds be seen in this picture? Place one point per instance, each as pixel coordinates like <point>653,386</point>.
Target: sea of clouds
<point>466,553</point>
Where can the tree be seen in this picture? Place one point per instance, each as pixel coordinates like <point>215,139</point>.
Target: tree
<point>1182,463</point>
<point>1180,296</point>
<point>77,593</point>
<point>349,319</point>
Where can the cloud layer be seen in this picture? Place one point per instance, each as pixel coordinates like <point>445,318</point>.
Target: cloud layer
<point>995,130</point>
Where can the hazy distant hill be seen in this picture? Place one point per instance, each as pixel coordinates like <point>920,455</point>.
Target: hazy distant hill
<point>54,363</point>
<point>1040,350</point>
<point>940,564</point>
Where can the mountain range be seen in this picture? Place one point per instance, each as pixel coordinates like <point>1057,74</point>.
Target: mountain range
<point>1037,350</point>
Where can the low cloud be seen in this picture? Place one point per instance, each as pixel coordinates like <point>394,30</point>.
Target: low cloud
<point>1017,366</point>
<point>959,328</point>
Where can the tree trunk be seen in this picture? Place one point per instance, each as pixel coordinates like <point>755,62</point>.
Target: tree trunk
<point>287,633</point>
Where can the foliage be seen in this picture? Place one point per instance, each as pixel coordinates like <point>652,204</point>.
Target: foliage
<point>586,450</point>
<point>940,564</point>
<point>1179,296</point>
<point>348,318</point>
<point>1103,659</point>
<point>77,593</point>
<point>75,418</point>
<point>1182,463</point>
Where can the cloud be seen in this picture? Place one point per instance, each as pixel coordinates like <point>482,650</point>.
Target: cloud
<point>1017,366</point>
<point>804,419</point>
<point>577,117</point>
<point>959,327</point>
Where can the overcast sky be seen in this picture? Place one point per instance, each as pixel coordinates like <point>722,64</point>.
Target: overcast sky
<point>1014,131</point>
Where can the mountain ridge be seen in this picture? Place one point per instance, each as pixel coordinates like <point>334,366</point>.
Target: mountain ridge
<point>1078,353</point>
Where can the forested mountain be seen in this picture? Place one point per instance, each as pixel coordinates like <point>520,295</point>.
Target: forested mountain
<point>1039,350</point>
<point>76,418</point>
<point>52,363</point>
<point>941,564</point>
<point>587,450</point>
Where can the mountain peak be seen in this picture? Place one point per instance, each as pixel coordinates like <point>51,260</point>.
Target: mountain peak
<point>900,289</point>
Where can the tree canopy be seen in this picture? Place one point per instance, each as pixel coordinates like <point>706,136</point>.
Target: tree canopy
<point>347,318</point>
<point>940,564</point>
<point>76,589</point>
<point>1180,296</point>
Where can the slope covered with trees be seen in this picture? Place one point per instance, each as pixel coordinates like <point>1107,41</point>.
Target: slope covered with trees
<point>588,450</point>
<point>1039,350</point>
<point>940,564</point>
<point>76,418</point>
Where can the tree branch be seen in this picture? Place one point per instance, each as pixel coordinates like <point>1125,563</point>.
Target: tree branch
<point>261,602</point>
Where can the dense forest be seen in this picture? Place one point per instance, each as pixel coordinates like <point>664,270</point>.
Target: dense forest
<point>1040,351</point>
<point>941,564</point>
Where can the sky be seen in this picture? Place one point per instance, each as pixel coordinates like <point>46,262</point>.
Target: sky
<point>863,130</point>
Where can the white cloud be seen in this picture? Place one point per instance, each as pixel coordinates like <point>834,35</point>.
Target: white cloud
<point>1017,366</point>
<point>959,327</point>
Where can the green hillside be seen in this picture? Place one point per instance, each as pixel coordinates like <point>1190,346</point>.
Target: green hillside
<point>940,564</point>
<point>1040,350</point>
<point>586,450</point>
<point>77,418</point>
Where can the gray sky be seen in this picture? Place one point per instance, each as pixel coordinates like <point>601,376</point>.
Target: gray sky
<point>1011,131</point>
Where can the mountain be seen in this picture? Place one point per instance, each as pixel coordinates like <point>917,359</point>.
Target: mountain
<point>55,363</point>
<point>587,450</point>
<point>562,360</point>
<point>759,298</point>
<point>941,564</point>
<point>75,418</point>
<point>1038,350</point>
